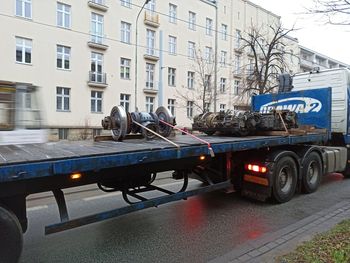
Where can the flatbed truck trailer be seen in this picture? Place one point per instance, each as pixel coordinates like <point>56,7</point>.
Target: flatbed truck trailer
<point>270,166</point>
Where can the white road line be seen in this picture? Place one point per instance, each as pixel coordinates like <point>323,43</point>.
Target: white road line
<point>119,193</point>
<point>35,208</point>
<point>101,196</point>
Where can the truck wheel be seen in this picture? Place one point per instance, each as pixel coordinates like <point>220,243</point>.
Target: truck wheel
<point>284,179</point>
<point>11,236</point>
<point>311,173</point>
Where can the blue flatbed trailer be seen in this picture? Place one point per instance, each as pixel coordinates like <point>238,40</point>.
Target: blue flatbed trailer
<point>260,167</point>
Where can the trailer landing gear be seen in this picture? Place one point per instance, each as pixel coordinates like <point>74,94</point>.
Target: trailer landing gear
<point>11,236</point>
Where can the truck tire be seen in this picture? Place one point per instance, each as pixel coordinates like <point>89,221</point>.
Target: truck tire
<point>11,237</point>
<point>284,179</point>
<point>311,173</point>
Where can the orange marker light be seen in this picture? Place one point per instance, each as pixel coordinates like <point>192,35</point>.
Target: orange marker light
<point>75,176</point>
<point>202,157</point>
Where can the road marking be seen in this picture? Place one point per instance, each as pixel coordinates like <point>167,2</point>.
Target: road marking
<point>119,193</point>
<point>35,208</point>
<point>101,196</point>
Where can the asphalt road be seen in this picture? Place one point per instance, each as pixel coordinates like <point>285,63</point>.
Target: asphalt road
<point>197,230</point>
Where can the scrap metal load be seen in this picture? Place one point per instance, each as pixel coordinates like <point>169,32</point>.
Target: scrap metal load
<point>243,123</point>
<point>149,125</point>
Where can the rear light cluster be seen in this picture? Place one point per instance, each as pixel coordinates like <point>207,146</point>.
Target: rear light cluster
<point>256,168</point>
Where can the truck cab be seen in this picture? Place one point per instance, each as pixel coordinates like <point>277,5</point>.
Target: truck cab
<point>338,80</point>
<point>20,116</point>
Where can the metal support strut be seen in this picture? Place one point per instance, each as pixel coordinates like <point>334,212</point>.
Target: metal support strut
<point>61,203</point>
<point>147,188</point>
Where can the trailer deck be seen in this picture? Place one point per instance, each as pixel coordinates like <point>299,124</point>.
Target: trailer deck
<point>29,161</point>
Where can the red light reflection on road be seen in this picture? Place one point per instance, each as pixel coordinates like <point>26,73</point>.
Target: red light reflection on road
<point>193,209</point>
<point>254,234</point>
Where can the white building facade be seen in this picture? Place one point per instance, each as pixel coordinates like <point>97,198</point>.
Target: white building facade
<point>90,55</point>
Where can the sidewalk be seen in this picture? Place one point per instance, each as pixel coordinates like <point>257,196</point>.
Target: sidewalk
<point>271,245</point>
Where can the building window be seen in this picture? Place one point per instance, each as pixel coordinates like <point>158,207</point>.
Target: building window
<point>222,85</point>
<point>151,42</point>
<point>126,3</point>
<point>238,39</point>
<point>172,13</point>
<point>223,58</point>
<point>96,67</point>
<point>100,2</point>
<point>62,99</point>
<point>189,109</point>
<point>125,68</point>
<point>222,107</point>
<point>208,54</point>
<point>63,15</point>
<point>63,134</point>
<point>223,32</point>
<point>27,101</point>
<point>24,8</point>
<point>236,87</point>
<point>171,76</point>
<point>237,64</point>
<point>190,79</point>
<point>149,104</point>
<point>250,67</point>
<point>191,20</point>
<point>63,57</point>
<point>151,6</point>
<point>191,49</point>
<point>149,75</point>
<point>207,82</point>
<point>96,101</point>
<point>172,45</point>
<point>209,27</point>
<point>171,106</point>
<point>125,32</point>
<point>23,50</point>
<point>96,132</point>
<point>125,101</point>
<point>96,28</point>
<point>207,107</point>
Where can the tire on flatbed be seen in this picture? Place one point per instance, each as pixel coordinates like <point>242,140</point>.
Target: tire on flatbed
<point>311,173</point>
<point>285,175</point>
<point>11,236</point>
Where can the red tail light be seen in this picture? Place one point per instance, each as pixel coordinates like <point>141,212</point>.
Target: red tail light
<point>256,168</point>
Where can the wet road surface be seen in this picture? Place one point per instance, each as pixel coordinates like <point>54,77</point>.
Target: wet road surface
<point>197,230</point>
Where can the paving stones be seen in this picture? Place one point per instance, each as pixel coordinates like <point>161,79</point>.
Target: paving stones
<point>284,240</point>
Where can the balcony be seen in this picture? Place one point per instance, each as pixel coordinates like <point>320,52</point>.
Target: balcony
<point>238,48</point>
<point>151,54</point>
<point>97,79</point>
<point>151,19</point>
<point>150,88</point>
<point>98,4</point>
<point>97,42</point>
<point>237,73</point>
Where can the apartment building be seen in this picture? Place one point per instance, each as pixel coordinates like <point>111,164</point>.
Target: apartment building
<point>310,59</point>
<point>90,55</point>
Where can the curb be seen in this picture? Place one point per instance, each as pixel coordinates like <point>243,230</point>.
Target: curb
<point>286,239</point>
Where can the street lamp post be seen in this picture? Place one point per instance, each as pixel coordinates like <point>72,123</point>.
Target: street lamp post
<point>136,45</point>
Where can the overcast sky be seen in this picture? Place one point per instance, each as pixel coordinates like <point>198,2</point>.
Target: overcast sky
<point>332,41</point>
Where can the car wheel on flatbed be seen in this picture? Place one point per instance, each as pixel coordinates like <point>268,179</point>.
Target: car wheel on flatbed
<point>284,179</point>
<point>11,236</point>
<point>311,173</point>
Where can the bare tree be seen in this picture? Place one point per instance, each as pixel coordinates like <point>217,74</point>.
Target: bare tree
<point>335,12</point>
<point>201,90</point>
<point>267,50</point>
